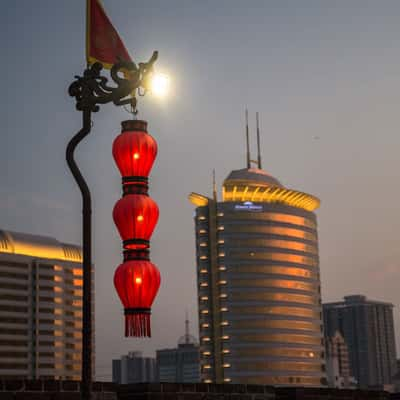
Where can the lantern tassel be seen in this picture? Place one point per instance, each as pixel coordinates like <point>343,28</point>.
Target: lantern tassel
<point>137,325</point>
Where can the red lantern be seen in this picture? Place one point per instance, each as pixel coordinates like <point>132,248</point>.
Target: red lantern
<point>134,150</point>
<point>135,215</point>
<point>137,283</point>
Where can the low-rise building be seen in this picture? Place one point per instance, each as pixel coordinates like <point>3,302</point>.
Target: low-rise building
<point>181,364</point>
<point>134,368</point>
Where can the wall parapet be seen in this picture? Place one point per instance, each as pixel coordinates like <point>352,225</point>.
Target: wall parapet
<point>70,390</point>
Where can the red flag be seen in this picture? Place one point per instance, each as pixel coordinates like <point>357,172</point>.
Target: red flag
<point>103,43</point>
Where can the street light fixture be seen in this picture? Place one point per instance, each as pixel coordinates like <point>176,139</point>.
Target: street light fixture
<point>160,84</point>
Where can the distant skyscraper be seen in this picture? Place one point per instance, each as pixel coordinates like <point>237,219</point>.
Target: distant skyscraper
<point>181,364</point>
<point>367,327</point>
<point>134,368</point>
<point>40,307</point>
<point>258,283</point>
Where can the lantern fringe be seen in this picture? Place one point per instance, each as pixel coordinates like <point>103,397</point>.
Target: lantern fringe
<point>137,325</point>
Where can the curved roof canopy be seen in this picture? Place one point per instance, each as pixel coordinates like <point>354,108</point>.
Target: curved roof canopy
<point>38,246</point>
<point>257,185</point>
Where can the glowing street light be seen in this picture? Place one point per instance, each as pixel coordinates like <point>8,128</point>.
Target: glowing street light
<point>159,85</point>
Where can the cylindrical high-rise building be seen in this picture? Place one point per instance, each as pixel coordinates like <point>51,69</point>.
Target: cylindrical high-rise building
<point>259,283</point>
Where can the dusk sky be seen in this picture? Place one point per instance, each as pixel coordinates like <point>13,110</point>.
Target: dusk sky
<point>325,77</point>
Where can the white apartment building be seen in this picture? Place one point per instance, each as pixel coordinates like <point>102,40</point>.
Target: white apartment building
<point>40,307</point>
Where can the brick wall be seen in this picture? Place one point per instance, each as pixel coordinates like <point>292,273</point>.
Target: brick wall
<point>194,391</point>
<point>53,390</point>
<point>202,391</point>
<point>70,390</point>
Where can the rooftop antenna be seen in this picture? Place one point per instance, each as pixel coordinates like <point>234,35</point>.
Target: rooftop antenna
<point>187,334</point>
<point>258,143</point>
<point>247,139</point>
<point>214,187</point>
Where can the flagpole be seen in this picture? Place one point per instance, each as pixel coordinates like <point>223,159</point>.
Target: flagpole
<point>87,33</point>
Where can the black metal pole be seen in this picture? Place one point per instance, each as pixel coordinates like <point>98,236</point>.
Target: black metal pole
<point>87,255</point>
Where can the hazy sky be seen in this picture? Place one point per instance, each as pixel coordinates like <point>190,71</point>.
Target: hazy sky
<point>325,77</point>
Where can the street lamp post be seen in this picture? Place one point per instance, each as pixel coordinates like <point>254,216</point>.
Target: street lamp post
<point>90,91</point>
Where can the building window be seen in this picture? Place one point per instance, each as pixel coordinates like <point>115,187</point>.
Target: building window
<point>14,275</point>
<point>13,366</point>
<point>13,331</point>
<point>13,320</point>
<point>77,272</point>
<point>8,308</point>
<point>13,297</point>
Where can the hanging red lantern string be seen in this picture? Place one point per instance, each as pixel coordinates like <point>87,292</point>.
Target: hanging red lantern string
<point>137,279</point>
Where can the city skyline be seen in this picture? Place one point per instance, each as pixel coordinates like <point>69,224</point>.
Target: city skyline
<point>325,80</point>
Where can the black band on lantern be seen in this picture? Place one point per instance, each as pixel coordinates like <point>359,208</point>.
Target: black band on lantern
<point>138,310</point>
<point>137,254</point>
<point>134,125</point>
<point>137,244</point>
<point>135,179</point>
<point>135,185</point>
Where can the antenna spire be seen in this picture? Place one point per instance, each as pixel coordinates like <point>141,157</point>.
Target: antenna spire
<point>247,139</point>
<point>187,334</point>
<point>258,142</point>
<point>214,187</point>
